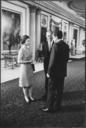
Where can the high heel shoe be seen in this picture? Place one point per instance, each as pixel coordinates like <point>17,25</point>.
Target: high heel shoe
<point>26,99</point>
<point>31,98</point>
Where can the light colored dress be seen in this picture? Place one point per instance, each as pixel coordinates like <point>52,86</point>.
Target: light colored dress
<point>26,71</point>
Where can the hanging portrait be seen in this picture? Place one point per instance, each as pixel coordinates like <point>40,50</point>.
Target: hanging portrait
<point>10,28</point>
<point>44,20</point>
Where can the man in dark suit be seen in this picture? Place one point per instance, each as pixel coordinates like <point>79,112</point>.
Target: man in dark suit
<point>46,53</point>
<point>57,71</point>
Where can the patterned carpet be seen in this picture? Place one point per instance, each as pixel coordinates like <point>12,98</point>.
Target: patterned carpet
<point>16,113</point>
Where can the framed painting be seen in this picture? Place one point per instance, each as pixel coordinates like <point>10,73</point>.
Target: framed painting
<point>10,28</point>
<point>44,20</point>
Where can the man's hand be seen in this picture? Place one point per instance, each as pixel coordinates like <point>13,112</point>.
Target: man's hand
<point>48,76</point>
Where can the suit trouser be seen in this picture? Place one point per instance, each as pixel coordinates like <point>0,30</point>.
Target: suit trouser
<point>46,85</point>
<point>46,79</point>
<point>55,92</point>
<point>46,62</point>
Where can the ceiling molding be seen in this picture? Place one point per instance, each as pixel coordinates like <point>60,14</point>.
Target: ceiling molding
<point>72,6</point>
<point>77,6</point>
<point>55,10</point>
<point>63,13</point>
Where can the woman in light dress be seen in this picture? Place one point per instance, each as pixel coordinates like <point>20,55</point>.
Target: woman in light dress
<point>26,71</point>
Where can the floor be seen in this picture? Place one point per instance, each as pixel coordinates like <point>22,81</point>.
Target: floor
<point>16,113</point>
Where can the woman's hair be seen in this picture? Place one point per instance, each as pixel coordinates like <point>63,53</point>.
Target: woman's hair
<point>24,38</point>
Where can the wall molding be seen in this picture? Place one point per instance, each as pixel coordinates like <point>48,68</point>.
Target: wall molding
<point>52,8</point>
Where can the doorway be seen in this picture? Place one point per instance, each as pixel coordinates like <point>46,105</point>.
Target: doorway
<point>43,34</point>
<point>75,37</point>
<point>39,53</point>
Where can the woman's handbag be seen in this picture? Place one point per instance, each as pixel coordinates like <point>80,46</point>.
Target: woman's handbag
<point>33,67</point>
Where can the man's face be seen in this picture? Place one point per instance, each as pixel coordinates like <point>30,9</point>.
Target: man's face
<point>48,36</point>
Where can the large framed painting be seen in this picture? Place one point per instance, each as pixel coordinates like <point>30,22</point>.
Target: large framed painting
<point>10,29</point>
<point>44,20</point>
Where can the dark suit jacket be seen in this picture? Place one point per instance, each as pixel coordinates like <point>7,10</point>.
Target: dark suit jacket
<point>58,60</point>
<point>46,54</point>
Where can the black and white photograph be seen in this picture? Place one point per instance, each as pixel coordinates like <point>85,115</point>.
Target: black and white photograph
<point>43,63</point>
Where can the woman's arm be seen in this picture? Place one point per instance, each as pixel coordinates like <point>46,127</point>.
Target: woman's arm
<point>20,56</point>
<point>22,59</point>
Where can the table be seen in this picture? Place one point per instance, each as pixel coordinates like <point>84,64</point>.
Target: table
<point>10,58</point>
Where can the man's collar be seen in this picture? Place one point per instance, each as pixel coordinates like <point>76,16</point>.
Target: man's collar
<point>57,41</point>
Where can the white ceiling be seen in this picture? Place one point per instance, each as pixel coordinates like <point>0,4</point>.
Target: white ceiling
<point>73,6</point>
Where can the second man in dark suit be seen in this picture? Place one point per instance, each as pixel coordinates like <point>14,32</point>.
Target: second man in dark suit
<point>57,71</point>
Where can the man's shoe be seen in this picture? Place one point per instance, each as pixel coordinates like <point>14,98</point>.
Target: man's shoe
<point>47,110</point>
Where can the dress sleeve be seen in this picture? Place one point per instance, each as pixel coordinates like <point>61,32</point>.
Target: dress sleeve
<point>20,55</point>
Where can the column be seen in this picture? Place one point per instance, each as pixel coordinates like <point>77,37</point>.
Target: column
<point>82,35</point>
<point>38,29</point>
<point>33,30</point>
<point>78,37</point>
<point>49,22</point>
<point>70,32</point>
